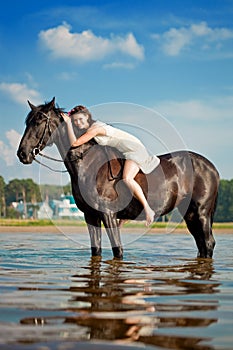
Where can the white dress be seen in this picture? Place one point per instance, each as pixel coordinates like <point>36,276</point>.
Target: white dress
<point>131,147</point>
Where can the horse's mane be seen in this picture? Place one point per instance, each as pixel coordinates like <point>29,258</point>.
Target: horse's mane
<point>42,108</point>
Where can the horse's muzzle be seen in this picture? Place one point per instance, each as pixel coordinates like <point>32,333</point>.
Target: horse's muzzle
<point>25,158</point>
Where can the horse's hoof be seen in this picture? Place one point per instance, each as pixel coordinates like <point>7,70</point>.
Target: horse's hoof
<point>96,251</point>
<point>210,254</point>
<point>117,252</point>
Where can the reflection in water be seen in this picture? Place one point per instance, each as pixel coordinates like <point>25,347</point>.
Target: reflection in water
<point>173,305</point>
<point>109,305</point>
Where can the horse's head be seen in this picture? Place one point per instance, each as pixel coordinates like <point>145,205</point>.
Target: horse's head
<point>41,123</point>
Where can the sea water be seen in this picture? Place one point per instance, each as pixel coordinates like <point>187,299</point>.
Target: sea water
<point>53,295</point>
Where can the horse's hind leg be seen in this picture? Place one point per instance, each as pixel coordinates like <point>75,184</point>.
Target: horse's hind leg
<point>199,223</point>
<point>111,225</point>
<point>94,229</point>
<point>209,238</point>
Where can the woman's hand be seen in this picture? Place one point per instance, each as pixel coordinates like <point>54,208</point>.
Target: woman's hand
<point>65,117</point>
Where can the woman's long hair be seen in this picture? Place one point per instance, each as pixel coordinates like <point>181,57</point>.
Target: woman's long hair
<point>82,110</point>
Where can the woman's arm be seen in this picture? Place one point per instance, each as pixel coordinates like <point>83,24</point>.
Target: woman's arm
<point>70,130</point>
<point>88,135</point>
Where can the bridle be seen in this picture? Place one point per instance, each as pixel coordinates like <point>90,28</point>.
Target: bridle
<point>37,150</point>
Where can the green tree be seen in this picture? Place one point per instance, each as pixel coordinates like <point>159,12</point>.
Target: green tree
<point>2,197</point>
<point>224,211</point>
<point>51,191</point>
<point>13,191</point>
<point>25,190</point>
<point>32,191</point>
<point>67,188</point>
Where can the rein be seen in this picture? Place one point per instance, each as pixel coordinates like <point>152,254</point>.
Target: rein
<point>47,166</point>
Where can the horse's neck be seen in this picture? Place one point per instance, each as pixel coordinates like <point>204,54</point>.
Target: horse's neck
<point>61,140</point>
<point>63,145</point>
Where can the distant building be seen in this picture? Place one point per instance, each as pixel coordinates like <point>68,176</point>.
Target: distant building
<point>50,209</point>
<point>44,211</point>
<point>66,208</point>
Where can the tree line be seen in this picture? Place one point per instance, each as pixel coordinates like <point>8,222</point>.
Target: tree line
<point>28,192</point>
<point>224,212</point>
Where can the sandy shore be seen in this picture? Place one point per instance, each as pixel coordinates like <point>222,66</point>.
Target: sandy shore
<point>71,229</point>
<point>77,229</point>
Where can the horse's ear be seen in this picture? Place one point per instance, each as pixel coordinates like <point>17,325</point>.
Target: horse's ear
<point>31,106</point>
<point>52,103</point>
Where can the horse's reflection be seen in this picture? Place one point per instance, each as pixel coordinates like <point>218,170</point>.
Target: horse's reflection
<point>123,302</point>
<point>113,306</point>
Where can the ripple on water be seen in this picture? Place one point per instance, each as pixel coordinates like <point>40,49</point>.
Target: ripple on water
<point>159,296</point>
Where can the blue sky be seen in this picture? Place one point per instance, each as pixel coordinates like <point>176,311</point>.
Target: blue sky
<point>173,57</point>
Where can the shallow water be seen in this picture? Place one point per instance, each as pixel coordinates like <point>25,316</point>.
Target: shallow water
<point>54,296</point>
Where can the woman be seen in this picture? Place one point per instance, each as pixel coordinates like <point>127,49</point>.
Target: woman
<point>135,153</point>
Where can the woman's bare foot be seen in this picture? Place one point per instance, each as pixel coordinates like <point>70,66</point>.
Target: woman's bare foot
<point>122,222</point>
<point>149,216</point>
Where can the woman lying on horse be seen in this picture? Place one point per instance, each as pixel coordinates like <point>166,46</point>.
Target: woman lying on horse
<point>136,156</point>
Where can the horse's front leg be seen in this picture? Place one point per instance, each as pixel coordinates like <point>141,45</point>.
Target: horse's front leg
<point>94,228</point>
<point>112,227</point>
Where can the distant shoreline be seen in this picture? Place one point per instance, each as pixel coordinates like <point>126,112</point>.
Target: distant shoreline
<point>80,227</point>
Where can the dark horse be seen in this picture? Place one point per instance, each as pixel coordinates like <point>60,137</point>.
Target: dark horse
<point>183,180</point>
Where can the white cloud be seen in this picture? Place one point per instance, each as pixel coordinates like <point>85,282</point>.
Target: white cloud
<point>8,151</point>
<point>20,93</point>
<point>206,127</point>
<point>214,109</point>
<point>66,76</point>
<point>174,41</point>
<point>86,46</point>
<point>116,65</point>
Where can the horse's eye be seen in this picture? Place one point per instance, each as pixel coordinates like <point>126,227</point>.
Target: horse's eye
<point>38,119</point>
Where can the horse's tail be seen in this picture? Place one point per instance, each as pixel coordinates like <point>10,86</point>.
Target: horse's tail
<point>216,198</point>
<point>211,174</point>
<point>214,208</point>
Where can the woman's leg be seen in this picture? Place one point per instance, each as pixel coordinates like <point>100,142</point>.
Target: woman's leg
<point>130,171</point>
